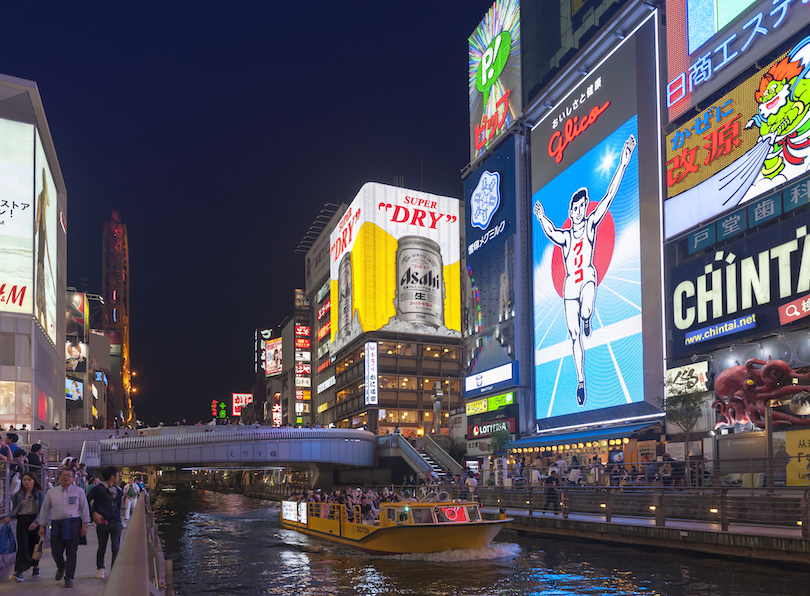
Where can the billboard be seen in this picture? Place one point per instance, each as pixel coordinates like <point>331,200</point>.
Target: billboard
<point>395,265</point>
<point>710,42</point>
<point>687,379</point>
<point>260,336</point>
<point>239,401</point>
<point>752,286</point>
<point>587,235</point>
<point>499,377</point>
<point>749,141</point>
<point>45,243</point>
<point>16,217</point>
<point>76,315</point>
<point>494,75</point>
<point>74,390</point>
<point>75,356</point>
<point>272,358</point>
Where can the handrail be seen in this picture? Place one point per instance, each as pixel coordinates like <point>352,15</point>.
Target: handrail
<point>444,459</point>
<point>240,434</point>
<point>136,569</point>
<point>406,451</point>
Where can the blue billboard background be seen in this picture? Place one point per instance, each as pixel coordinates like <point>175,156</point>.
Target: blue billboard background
<point>613,352</point>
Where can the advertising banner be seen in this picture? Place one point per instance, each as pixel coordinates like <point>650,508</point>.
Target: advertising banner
<point>494,75</point>
<point>371,373</point>
<point>76,315</point>
<point>741,290</point>
<point>489,404</point>
<point>45,244</point>
<point>488,428</point>
<point>587,235</point>
<point>797,445</point>
<point>75,356</point>
<point>751,140</point>
<point>685,380</point>
<point>491,380</point>
<point>115,340</point>
<point>395,265</point>
<point>710,42</point>
<point>16,217</point>
<point>74,390</point>
<point>239,401</point>
<point>490,194</point>
<point>272,357</point>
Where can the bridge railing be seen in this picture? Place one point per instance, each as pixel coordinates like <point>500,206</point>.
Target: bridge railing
<point>238,434</point>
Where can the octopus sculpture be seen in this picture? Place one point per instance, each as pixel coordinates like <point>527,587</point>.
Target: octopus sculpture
<point>743,393</point>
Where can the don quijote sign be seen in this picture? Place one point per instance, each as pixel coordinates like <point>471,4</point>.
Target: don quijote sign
<point>488,428</point>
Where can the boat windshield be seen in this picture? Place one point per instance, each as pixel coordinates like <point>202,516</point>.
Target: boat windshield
<point>423,515</point>
<point>449,515</point>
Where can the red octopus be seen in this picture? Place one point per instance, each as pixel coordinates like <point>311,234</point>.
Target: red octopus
<point>743,392</point>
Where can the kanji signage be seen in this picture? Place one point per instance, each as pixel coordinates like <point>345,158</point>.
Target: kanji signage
<point>371,373</point>
<point>744,144</point>
<point>239,401</point>
<point>685,380</point>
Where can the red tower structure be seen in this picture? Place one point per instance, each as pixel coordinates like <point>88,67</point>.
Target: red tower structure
<point>115,288</point>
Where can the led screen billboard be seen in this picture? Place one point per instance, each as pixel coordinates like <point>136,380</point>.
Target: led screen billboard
<point>710,42</point>
<point>749,141</point>
<point>749,287</point>
<point>16,217</point>
<point>45,243</point>
<point>494,75</point>
<point>587,236</point>
<point>73,389</point>
<point>272,357</point>
<point>75,356</point>
<point>395,265</point>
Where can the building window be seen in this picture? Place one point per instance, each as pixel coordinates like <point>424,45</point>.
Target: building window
<point>7,349</point>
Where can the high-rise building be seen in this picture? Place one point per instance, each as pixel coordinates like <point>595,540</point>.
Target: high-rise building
<point>33,245</point>
<point>115,289</point>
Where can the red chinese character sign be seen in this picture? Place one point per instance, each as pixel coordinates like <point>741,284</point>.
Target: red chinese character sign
<point>749,141</point>
<point>239,401</point>
<point>494,75</point>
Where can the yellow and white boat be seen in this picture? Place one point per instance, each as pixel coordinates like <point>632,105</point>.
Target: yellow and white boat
<point>402,528</point>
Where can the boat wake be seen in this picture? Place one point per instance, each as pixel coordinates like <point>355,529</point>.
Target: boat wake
<point>493,551</point>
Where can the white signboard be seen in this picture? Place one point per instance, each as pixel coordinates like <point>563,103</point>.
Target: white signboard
<point>688,379</point>
<point>371,373</point>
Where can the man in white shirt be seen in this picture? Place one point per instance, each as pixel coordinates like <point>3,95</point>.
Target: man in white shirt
<point>131,493</point>
<point>66,505</point>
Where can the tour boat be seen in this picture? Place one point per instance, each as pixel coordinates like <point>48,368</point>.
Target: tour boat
<point>402,528</point>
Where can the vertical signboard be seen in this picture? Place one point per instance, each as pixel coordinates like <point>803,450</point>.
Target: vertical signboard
<point>272,357</point>
<point>750,141</point>
<point>710,42</point>
<point>16,217</point>
<point>45,243</point>
<point>371,373</point>
<point>494,75</point>
<point>395,265</point>
<point>588,245</point>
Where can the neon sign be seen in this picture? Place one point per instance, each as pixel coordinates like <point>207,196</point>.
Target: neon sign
<point>558,142</point>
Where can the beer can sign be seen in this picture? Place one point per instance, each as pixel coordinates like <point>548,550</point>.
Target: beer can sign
<point>420,285</point>
<point>345,295</point>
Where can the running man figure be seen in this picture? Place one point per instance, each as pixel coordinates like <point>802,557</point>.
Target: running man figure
<point>577,244</point>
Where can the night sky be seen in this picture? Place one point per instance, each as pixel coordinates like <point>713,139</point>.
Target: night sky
<point>218,130</point>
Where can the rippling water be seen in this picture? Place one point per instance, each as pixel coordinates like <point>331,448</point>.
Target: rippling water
<point>229,544</point>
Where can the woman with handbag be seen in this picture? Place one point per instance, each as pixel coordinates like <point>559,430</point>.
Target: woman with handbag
<point>26,504</point>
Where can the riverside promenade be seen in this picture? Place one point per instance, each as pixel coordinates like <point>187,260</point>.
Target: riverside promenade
<point>84,582</point>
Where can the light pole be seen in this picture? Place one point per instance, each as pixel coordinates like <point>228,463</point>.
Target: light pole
<point>436,395</point>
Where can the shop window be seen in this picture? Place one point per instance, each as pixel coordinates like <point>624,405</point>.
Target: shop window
<point>7,392</point>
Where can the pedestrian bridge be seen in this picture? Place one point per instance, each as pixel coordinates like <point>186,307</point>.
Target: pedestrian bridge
<point>243,446</point>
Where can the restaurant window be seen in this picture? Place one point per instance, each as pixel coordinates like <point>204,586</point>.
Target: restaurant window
<point>431,352</point>
<point>388,382</point>
<point>407,383</point>
<point>450,353</point>
<point>427,383</point>
<point>387,348</point>
<point>407,416</point>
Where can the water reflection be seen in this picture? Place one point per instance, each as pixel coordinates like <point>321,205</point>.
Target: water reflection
<point>228,544</point>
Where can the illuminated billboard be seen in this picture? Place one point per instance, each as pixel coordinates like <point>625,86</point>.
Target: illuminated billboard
<point>75,356</point>
<point>395,265</point>
<point>74,390</point>
<point>710,42</point>
<point>272,357</point>
<point>76,315</point>
<point>494,75</point>
<point>749,141</point>
<point>16,217</point>
<point>45,243</point>
<point>239,401</point>
<point>588,241</point>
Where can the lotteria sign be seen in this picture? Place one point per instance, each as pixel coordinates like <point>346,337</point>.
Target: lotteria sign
<point>494,75</point>
<point>484,430</point>
<point>739,290</point>
<point>492,379</point>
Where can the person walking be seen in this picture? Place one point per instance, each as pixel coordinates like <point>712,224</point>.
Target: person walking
<point>551,482</point>
<point>131,491</point>
<point>105,507</point>
<point>66,506</point>
<point>26,505</point>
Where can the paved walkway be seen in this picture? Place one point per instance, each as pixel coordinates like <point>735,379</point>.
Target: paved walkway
<point>84,583</point>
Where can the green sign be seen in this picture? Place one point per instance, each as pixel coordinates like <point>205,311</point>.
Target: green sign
<point>492,63</point>
<point>496,402</point>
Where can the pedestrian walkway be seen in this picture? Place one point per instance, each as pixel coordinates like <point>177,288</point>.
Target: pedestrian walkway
<point>84,583</point>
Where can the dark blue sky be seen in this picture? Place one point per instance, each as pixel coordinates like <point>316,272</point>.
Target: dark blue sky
<point>219,130</point>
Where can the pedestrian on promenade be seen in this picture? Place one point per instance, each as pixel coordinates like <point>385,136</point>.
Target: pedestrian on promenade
<point>105,506</point>
<point>66,506</point>
<point>26,505</point>
<point>131,491</point>
<point>552,481</point>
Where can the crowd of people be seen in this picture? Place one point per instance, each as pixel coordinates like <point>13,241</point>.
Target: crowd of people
<point>67,509</point>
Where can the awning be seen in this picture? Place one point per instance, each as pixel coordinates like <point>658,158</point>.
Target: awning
<point>547,440</point>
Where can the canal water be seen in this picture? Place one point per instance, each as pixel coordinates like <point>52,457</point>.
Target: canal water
<point>229,544</point>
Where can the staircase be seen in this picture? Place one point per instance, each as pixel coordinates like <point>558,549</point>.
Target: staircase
<point>433,465</point>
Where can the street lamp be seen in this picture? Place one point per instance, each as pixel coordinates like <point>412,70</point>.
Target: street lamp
<point>436,395</point>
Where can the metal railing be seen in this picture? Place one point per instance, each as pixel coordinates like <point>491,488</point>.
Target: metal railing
<point>238,434</point>
<point>407,451</point>
<point>137,567</point>
<point>441,457</point>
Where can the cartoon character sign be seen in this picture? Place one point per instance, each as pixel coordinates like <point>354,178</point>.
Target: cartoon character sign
<point>586,236</point>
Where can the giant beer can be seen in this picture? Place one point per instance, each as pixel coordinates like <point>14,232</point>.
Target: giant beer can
<point>345,295</point>
<point>420,282</point>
